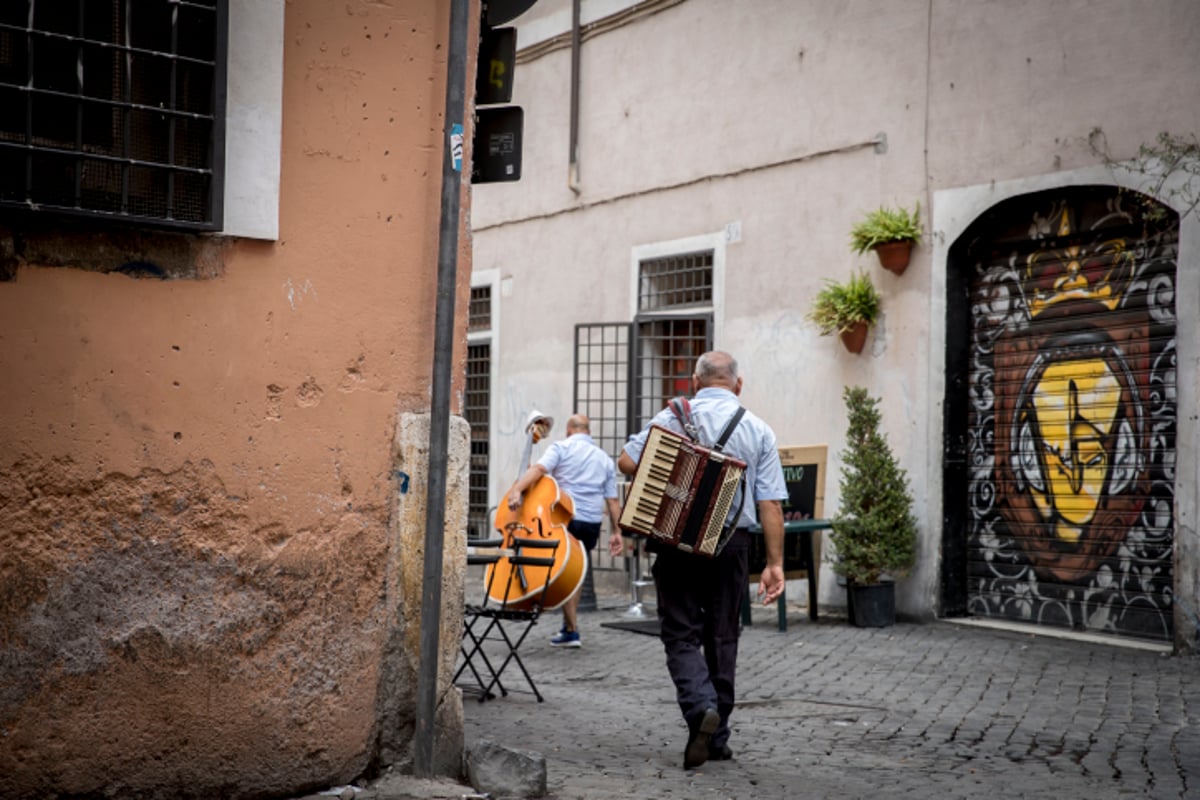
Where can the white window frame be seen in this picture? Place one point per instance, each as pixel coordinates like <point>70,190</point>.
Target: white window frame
<point>490,278</point>
<point>253,119</point>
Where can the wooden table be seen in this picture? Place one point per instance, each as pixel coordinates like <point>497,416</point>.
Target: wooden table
<point>801,559</point>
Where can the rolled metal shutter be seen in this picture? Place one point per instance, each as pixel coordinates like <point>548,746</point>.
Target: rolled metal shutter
<point>1072,415</point>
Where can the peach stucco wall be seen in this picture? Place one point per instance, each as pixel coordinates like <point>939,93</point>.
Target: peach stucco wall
<point>207,484</point>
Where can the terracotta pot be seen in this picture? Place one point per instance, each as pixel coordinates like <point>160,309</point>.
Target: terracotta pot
<point>856,337</point>
<point>894,255</point>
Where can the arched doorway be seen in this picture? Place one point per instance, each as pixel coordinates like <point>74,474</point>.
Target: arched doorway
<point>1060,413</point>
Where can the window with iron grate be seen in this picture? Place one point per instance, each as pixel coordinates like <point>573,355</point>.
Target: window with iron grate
<point>477,409</point>
<point>602,363</point>
<point>479,310</point>
<point>625,373</point>
<point>668,343</point>
<point>676,281</point>
<point>665,357</point>
<point>114,109</point>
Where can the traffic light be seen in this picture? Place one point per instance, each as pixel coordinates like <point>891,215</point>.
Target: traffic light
<point>496,146</point>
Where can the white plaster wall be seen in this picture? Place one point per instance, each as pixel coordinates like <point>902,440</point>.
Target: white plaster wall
<point>708,113</point>
<point>1016,87</point>
<point>708,87</point>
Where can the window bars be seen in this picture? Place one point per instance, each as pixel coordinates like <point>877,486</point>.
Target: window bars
<point>114,109</point>
<point>602,373</point>
<point>479,309</point>
<point>676,281</point>
<point>476,409</point>
<point>667,349</point>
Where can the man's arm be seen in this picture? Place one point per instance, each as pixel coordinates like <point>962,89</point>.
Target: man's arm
<point>616,545</point>
<point>770,517</point>
<point>531,476</point>
<point>626,464</point>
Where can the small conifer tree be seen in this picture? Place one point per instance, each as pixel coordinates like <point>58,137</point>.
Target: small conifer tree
<point>874,530</point>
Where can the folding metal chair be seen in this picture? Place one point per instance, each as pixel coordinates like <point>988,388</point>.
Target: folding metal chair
<point>506,621</point>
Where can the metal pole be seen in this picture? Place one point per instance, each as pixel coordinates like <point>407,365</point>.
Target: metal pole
<point>573,144</point>
<point>439,417</point>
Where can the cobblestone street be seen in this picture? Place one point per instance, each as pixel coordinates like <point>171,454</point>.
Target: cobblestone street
<point>831,711</point>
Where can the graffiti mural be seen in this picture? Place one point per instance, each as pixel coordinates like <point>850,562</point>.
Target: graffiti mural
<point>1071,423</point>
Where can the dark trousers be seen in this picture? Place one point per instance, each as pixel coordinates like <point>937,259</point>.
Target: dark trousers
<point>699,607</point>
<point>588,533</point>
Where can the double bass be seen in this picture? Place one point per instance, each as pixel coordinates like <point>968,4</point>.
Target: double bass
<point>544,513</point>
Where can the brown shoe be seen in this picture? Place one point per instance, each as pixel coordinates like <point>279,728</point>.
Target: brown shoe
<point>696,752</point>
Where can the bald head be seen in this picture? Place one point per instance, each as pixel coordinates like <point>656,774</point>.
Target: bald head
<point>578,423</point>
<point>717,368</point>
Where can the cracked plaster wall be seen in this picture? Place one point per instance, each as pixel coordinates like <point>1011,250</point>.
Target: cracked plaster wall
<point>209,577</point>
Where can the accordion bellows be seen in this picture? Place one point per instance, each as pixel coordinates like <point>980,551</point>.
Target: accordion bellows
<point>682,493</point>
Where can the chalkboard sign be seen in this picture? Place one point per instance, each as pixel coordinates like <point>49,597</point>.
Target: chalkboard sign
<point>804,473</point>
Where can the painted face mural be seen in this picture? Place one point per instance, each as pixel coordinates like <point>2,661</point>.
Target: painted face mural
<point>1071,421</point>
<point>1073,407</point>
<point>1074,453</point>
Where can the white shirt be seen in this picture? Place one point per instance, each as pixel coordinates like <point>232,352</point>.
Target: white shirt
<point>584,471</point>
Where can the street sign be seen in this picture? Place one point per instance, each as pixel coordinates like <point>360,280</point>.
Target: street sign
<point>496,148</point>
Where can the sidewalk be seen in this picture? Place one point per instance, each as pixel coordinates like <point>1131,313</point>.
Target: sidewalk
<point>831,711</point>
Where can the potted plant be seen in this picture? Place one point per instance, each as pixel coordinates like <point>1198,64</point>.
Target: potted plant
<point>848,309</point>
<point>874,530</point>
<point>891,233</point>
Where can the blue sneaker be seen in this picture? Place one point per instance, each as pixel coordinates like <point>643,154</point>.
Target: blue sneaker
<point>566,639</point>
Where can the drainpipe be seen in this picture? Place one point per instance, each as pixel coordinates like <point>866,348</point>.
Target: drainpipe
<point>439,416</point>
<point>573,168</point>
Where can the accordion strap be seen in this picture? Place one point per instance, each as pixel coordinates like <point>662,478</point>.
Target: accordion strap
<point>725,434</point>
<point>683,412</point>
<point>720,445</point>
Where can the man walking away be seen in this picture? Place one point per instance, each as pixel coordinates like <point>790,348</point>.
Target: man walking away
<point>700,598</point>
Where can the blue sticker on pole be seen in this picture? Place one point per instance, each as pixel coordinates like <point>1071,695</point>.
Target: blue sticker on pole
<point>456,146</point>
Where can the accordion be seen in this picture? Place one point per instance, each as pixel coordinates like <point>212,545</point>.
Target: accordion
<point>681,493</point>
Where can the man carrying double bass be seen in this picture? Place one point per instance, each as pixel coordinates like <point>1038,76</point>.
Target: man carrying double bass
<point>586,474</point>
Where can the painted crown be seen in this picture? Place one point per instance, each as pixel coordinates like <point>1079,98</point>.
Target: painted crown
<point>1099,271</point>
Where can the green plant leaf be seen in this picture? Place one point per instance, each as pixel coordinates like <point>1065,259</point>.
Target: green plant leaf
<point>840,306</point>
<point>886,225</point>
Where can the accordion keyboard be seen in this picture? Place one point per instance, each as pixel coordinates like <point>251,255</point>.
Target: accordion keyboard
<point>661,499</point>
<point>648,492</point>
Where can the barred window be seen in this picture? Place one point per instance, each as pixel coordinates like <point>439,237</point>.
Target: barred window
<point>479,310</point>
<point>667,349</point>
<point>676,281</point>
<point>114,109</point>
<point>668,344</point>
<point>602,373</point>
<point>477,409</point>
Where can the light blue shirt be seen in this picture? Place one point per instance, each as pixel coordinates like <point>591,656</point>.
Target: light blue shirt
<point>752,441</point>
<point>585,472</point>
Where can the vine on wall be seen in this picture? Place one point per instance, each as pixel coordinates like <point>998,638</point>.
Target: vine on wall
<point>1168,169</point>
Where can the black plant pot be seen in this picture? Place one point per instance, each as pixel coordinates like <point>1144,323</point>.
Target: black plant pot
<point>873,605</point>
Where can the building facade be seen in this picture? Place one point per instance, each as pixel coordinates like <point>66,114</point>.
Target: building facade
<point>692,172</point>
<point>219,227</point>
